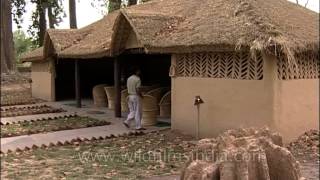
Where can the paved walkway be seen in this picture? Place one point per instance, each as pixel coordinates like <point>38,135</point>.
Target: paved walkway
<point>60,137</point>
<point>169,177</point>
<point>63,137</point>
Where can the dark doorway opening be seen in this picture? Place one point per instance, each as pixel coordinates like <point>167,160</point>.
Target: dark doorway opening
<point>154,68</point>
<point>92,72</point>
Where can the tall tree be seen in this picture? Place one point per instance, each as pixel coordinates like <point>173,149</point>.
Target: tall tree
<point>72,13</point>
<point>51,18</point>
<point>39,18</point>
<point>114,5</point>
<point>305,5</point>
<point>7,48</point>
<point>41,8</point>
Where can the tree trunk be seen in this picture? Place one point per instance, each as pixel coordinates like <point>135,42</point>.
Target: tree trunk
<point>73,16</point>
<point>42,22</point>
<point>114,5</point>
<point>7,48</point>
<point>132,2</point>
<point>51,18</point>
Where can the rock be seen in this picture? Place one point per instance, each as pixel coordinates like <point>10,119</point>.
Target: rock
<point>244,154</point>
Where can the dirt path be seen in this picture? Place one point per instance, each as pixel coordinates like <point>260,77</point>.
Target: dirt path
<point>309,163</point>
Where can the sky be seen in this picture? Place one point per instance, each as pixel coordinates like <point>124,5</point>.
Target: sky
<point>87,14</point>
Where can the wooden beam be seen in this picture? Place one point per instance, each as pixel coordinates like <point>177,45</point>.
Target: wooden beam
<point>117,86</point>
<point>77,83</point>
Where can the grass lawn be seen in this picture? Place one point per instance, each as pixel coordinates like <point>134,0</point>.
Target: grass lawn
<point>131,157</point>
<point>25,128</point>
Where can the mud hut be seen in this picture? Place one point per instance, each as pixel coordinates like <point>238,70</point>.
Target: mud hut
<point>59,61</point>
<point>253,62</point>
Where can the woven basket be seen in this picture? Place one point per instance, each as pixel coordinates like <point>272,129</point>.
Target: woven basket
<point>158,93</point>
<point>110,91</point>
<point>99,96</point>
<point>149,110</point>
<point>124,100</point>
<point>165,105</point>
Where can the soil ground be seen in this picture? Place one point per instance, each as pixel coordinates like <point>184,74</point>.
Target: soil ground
<point>131,157</point>
<point>306,150</point>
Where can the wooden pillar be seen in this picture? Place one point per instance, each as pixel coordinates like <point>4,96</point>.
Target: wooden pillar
<point>117,86</point>
<point>77,83</point>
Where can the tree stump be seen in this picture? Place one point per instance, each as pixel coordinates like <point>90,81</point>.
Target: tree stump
<point>244,154</point>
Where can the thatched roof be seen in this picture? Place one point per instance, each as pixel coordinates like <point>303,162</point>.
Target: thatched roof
<point>181,26</point>
<point>92,41</point>
<point>210,25</point>
<point>34,55</point>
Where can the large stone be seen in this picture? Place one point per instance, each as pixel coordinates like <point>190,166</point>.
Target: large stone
<point>243,154</point>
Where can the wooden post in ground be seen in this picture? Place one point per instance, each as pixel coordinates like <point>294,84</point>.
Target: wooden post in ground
<point>117,86</point>
<point>77,83</point>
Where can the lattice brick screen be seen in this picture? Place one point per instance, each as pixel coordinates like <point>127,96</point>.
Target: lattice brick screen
<point>228,65</point>
<point>306,66</point>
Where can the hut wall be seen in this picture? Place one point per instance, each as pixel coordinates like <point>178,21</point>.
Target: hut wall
<point>235,90</point>
<point>283,98</point>
<point>297,96</point>
<point>42,74</point>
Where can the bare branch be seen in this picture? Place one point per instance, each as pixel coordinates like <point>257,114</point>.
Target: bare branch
<point>306,3</point>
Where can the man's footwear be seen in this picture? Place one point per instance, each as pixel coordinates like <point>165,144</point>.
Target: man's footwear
<point>126,125</point>
<point>141,129</point>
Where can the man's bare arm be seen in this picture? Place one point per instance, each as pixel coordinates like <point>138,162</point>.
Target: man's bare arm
<point>139,92</point>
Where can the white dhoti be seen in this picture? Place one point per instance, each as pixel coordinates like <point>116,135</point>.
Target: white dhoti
<point>135,110</point>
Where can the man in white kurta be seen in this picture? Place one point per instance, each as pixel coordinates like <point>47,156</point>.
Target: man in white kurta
<point>134,100</point>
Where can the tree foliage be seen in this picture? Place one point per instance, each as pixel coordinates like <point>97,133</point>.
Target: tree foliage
<point>114,5</point>
<point>18,9</point>
<point>55,15</point>
<point>22,43</point>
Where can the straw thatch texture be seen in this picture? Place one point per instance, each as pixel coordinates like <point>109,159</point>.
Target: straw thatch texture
<point>149,110</point>
<point>99,96</point>
<point>211,25</point>
<point>92,41</point>
<point>186,26</point>
<point>110,91</point>
<point>34,55</point>
<point>165,105</point>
